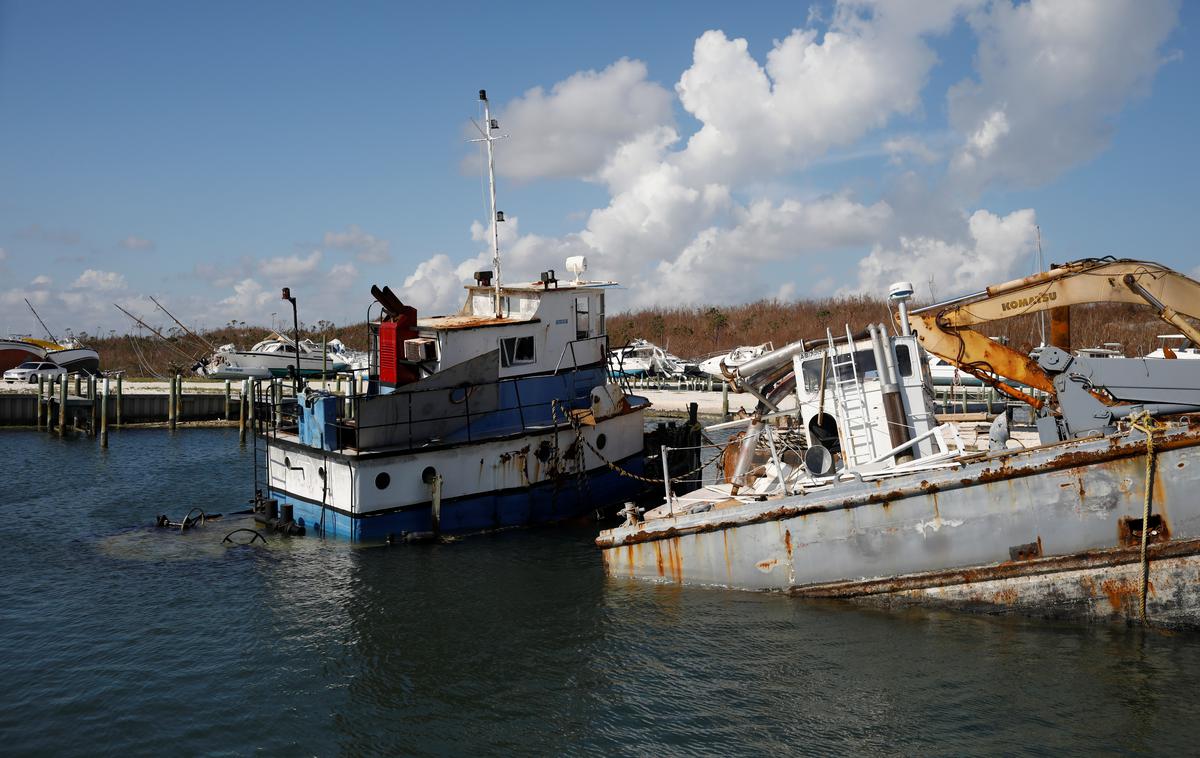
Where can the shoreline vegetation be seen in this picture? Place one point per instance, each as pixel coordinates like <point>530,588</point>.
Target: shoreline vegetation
<point>689,332</point>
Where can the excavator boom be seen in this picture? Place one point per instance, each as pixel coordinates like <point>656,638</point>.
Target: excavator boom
<point>945,330</point>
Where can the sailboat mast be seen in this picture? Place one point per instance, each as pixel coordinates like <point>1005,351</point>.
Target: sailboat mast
<point>488,127</point>
<point>43,323</point>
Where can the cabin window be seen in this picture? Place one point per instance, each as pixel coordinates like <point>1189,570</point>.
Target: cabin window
<point>600,315</point>
<point>515,351</point>
<point>864,361</point>
<point>583,319</point>
<point>904,363</point>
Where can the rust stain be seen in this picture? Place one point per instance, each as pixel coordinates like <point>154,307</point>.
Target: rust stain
<point>767,565</point>
<point>728,563</point>
<point>1117,591</point>
<point>787,542</point>
<point>1006,596</point>
<point>658,558</point>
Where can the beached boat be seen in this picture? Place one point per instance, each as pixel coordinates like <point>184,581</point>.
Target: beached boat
<point>885,506</point>
<point>16,350</point>
<point>642,358</point>
<point>719,366</point>
<point>501,415</point>
<point>273,356</point>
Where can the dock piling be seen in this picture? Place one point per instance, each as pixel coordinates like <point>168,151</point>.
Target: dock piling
<point>227,400</point>
<point>118,419</point>
<point>242,412</point>
<point>171,405</point>
<point>62,407</point>
<point>41,391</point>
<point>104,415</point>
<point>725,400</point>
<point>92,384</point>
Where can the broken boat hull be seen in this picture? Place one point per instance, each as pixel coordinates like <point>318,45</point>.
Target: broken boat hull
<point>1049,531</point>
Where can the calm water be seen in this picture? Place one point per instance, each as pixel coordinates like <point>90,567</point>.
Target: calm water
<point>118,638</point>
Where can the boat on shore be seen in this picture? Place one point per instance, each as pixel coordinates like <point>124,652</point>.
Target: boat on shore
<point>883,505</point>
<point>720,366</point>
<point>643,358</point>
<point>273,356</point>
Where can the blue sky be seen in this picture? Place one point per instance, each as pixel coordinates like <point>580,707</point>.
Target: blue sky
<point>210,153</point>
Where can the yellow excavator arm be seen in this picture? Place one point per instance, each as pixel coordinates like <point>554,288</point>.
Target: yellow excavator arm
<point>945,330</point>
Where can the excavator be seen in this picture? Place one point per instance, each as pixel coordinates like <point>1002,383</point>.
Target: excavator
<point>1074,396</point>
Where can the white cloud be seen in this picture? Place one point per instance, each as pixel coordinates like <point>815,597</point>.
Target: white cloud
<point>367,248</point>
<point>289,266</point>
<point>41,280</point>
<point>1050,77</point>
<point>570,131</point>
<point>103,281</point>
<point>993,249</point>
<point>133,242</point>
<point>900,147</point>
<point>248,302</point>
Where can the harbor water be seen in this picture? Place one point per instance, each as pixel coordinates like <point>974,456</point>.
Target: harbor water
<point>119,638</point>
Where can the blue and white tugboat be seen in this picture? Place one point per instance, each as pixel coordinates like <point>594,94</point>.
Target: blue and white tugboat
<point>501,415</point>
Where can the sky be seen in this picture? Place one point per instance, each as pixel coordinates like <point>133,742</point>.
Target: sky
<point>208,154</point>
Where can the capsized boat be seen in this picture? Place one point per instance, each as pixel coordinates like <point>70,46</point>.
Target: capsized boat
<point>498,416</point>
<point>15,350</point>
<point>884,505</point>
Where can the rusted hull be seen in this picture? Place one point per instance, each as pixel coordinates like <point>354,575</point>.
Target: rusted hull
<point>1048,531</point>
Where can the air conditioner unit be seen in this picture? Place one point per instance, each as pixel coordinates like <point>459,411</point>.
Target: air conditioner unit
<point>420,350</point>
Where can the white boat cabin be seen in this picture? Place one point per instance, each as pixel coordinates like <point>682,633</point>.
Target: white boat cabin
<point>543,327</point>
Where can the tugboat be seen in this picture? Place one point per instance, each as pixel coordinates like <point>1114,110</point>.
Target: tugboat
<point>502,415</point>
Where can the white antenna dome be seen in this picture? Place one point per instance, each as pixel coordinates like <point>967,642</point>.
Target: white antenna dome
<point>576,265</point>
<point>900,291</point>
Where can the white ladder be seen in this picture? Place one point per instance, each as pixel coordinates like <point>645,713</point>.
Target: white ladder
<point>857,437</point>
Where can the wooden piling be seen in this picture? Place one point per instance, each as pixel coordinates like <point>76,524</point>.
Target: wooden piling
<point>78,393</point>
<point>118,418</point>
<point>253,397</point>
<point>228,400</point>
<point>62,407</point>
<point>91,384</point>
<point>41,391</point>
<point>725,400</point>
<point>104,415</point>
<point>171,404</point>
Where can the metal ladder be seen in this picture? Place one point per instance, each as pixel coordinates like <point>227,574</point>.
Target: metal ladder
<point>858,441</point>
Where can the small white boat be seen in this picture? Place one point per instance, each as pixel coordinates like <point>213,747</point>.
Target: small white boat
<point>716,365</point>
<point>274,356</point>
<point>1178,345</point>
<point>641,357</point>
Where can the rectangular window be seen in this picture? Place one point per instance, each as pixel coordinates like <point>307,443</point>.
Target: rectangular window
<point>583,321</point>
<point>515,351</point>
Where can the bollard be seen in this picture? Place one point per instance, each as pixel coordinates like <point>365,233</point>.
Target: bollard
<point>171,405</point>
<point>725,400</point>
<point>41,391</point>
<point>227,400</point>
<point>104,415</point>
<point>118,419</point>
<point>242,413</point>
<point>62,408</point>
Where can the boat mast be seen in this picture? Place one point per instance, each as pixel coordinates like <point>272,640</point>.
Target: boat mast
<point>491,125</point>
<point>43,323</point>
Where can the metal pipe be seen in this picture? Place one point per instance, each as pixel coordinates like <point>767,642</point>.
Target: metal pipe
<point>893,404</point>
<point>745,455</point>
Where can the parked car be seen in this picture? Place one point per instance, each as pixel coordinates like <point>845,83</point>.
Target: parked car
<point>29,371</point>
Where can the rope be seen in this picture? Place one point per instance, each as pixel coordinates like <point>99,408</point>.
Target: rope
<point>1144,423</point>
<point>574,422</point>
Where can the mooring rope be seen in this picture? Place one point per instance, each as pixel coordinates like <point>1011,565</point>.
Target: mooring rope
<point>1145,424</point>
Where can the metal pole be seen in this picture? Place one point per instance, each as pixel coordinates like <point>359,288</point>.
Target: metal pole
<point>667,480</point>
<point>78,392</point>
<point>725,401</point>
<point>104,415</point>
<point>92,385</point>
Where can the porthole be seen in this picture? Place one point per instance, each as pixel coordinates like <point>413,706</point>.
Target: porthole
<point>601,441</point>
<point>429,474</point>
<point>382,480</point>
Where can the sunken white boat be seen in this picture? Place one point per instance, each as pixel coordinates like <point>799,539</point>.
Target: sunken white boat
<point>884,505</point>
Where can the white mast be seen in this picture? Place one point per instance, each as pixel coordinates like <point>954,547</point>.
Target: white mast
<point>490,125</point>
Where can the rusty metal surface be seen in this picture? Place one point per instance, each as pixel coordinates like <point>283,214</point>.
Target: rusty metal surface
<point>1071,498</point>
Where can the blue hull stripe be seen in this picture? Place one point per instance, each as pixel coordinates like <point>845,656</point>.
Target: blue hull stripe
<point>543,503</point>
